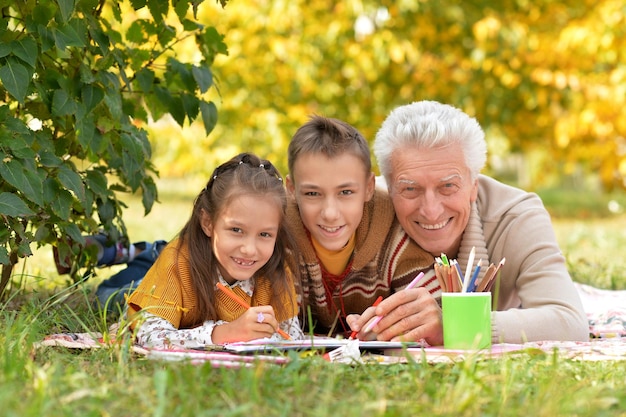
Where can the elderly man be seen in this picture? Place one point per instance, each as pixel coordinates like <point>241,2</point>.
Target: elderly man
<point>431,155</point>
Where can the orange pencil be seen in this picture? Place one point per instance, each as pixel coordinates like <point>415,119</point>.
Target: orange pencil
<point>242,303</point>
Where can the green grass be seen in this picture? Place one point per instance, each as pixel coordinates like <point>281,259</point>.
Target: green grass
<point>114,382</point>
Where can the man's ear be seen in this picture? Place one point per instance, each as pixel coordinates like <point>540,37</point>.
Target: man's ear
<point>205,222</point>
<point>291,187</point>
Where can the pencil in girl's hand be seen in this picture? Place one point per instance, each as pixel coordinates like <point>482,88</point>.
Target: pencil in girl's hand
<point>378,300</point>
<point>231,294</point>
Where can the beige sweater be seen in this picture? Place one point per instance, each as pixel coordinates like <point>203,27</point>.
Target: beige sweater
<point>537,299</point>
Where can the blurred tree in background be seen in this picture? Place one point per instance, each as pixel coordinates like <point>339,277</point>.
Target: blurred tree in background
<point>546,79</point>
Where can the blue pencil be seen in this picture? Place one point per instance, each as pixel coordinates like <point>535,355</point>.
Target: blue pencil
<point>472,284</point>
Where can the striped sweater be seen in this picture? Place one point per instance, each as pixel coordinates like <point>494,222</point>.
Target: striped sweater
<point>384,261</point>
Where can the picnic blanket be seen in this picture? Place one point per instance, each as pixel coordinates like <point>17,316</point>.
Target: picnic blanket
<point>606,313</point>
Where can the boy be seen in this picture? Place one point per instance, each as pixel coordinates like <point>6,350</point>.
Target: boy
<point>352,248</point>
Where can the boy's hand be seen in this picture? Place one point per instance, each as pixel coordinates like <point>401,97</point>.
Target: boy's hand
<point>256,323</point>
<point>408,315</point>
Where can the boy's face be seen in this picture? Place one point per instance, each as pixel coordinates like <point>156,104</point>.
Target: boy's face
<point>330,194</point>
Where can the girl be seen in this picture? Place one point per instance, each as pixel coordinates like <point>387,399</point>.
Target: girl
<point>236,236</point>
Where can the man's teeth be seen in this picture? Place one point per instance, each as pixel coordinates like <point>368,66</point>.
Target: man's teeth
<point>434,226</point>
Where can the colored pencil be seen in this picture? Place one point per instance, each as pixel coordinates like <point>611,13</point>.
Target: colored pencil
<point>471,287</point>
<point>243,303</point>
<point>378,300</point>
<point>468,269</point>
<point>408,287</point>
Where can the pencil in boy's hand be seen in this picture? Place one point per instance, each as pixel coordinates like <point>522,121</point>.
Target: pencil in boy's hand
<point>231,294</point>
<point>378,300</point>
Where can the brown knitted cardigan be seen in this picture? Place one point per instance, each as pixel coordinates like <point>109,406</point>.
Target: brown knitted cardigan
<point>384,261</point>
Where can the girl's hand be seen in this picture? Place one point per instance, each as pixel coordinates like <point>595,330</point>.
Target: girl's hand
<point>256,323</point>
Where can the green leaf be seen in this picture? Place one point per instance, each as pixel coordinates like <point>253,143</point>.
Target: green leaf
<point>73,232</point>
<point>15,78</point>
<point>65,36</point>
<point>177,109</point>
<point>212,43</point>
<point>48,159</point>
<point>165,96</point>
<point>138,4</point>
<point>72,181</point>
<point>180,7</point>
<point>43,13</point>
<point>203,77</point>
<point>47,38</point>
<point>26,50</point>
<point>106,211</point>
<point>4,256</point>
<point>91,96</point>
<point>148,194</point>
<point>100,38</point>
<point>145,79</point>
<point>15,143</point>
<point>62,204</point>
<point>135,32</point>
<point>25,180</point>
<point>5,49</point>
<point>13,206</point>
<point>42,233</point>
<point>66,8</point>
<point>25,154</point>
<point>184,72</point>
<point>97,182</point>
<point>191,105</point>
<point>85,132</point>
<point>209,115</point>
<point>62,104</point>
<point>158,9</point>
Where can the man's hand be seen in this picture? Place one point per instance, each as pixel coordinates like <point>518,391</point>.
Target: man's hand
<point>408,315</point>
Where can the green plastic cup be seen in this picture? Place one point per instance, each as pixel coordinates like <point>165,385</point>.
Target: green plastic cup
<point>466,320</point>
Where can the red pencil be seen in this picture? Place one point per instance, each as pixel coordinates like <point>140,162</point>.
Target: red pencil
<point>378,300</point>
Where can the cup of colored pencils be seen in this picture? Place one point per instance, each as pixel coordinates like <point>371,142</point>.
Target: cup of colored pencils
<point>452,279</point>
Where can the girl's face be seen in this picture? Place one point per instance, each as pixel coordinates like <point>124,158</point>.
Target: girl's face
<point>244,235</point>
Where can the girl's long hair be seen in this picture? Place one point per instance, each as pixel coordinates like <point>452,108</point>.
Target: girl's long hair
<point>245,174</point>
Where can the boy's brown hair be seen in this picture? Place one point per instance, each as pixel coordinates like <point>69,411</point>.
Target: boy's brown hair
<point>330,137</point>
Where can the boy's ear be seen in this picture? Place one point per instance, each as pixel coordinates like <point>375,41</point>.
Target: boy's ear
<point>291,187</point>
<point>370,187</point>
<point>205,223</point>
